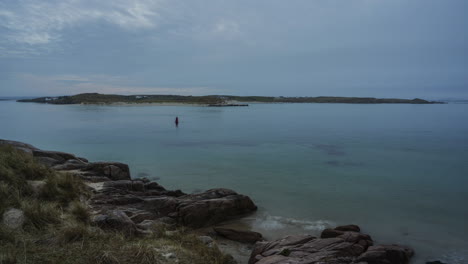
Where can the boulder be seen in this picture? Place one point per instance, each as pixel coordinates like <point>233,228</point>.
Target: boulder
<point>326,250</point>
<point>212,207</point>
<point>386,254</point>
<point>208,208</point>
<point>206,239</point>
<point>261,248</point>
<point>13,218</point>
<point>345,246</point>
<point>115,220</point>
<point>354,237</point>
<point>239,235</point>
<point>329,233</point>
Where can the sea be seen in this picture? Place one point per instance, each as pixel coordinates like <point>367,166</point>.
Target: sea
<point>400,171</point>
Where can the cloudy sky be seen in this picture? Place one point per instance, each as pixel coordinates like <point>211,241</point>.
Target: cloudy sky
<point>381,48</point>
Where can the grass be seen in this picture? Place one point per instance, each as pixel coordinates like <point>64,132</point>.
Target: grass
<point>64,189</point>
<point>79,243</point>
<point>80,212</point>
<point>40,214</point>
<point>57,228</point>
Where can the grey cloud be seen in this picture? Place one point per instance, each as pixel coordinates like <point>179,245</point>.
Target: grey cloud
<point>387,48</point>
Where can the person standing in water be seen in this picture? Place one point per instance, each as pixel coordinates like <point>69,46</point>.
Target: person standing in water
<point>177,121</point>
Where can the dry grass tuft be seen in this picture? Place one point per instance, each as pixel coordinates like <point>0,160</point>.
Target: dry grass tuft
<point>40,214</point>
<point>62,188</point>
<point>72,232</point>
<point>106,257</point>
<point>80,212</point>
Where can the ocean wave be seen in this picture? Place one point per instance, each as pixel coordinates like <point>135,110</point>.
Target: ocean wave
<point>269,222</point>
<point>455,257</point>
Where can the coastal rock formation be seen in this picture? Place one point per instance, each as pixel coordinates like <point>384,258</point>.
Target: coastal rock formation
<point>212,207</point>
<point>139,206</point>
<point>142,203</point>
<point>113,170</point>
<point>116,194</point>
<point>342,245</point>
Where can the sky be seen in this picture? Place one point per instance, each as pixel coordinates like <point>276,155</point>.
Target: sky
<point>378,48</point>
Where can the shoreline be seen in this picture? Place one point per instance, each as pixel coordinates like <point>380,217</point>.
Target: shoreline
<point>214,214</point>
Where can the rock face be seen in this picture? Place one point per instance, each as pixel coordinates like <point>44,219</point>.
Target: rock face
<point>18,145</point>
<point>342,246</point>
<point>113,170</point>
<point>13,218</point>
<point>212,207</point>
<point>238,235</point>
<point>121,203</point>
<point>208,208</point>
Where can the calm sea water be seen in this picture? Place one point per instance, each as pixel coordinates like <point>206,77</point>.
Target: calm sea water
<point>399,171</point>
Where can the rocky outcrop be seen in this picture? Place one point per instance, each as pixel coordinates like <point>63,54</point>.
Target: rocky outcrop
<point>212,207</point>
<point>27,148</point>
<point>120,202</point>
<point>62,161</point>
<point>113,170</point>
<point>243,236</point>
<point>140,203</point>
<point>137,206</point>
<point>342,245</point>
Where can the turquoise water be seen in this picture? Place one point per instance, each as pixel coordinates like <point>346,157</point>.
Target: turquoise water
<point>399,171</point>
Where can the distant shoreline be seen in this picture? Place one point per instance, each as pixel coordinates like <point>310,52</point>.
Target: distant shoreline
<point>111,99</point>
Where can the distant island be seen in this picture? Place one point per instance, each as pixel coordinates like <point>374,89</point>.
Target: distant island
<point>213,100</point>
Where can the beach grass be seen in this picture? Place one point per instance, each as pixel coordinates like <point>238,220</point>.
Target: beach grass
<point>57,225</point>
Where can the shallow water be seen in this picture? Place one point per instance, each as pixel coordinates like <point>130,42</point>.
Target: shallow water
<point>399,171</point>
